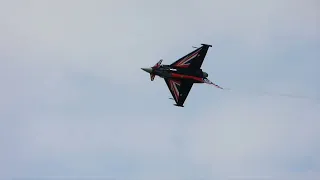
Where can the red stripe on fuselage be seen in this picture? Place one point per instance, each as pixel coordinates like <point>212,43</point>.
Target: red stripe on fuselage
<point>182,76</point>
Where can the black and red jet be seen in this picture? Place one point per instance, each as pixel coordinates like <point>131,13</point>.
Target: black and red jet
<point>182,74</point>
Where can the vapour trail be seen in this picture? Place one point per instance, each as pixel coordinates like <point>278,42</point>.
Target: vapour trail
<point>275,94</point>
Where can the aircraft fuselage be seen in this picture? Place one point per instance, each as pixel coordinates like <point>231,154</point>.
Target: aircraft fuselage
<point>165,71</point>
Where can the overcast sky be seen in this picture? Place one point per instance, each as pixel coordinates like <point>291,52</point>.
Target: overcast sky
<point>75,103</point>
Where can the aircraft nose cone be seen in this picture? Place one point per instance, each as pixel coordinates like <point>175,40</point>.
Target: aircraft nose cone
<point>148,70</point>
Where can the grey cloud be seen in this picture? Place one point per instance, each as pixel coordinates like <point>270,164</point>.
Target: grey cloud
<point>90,36</point>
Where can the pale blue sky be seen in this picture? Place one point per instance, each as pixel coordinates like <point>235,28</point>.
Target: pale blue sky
<point>74,101</point>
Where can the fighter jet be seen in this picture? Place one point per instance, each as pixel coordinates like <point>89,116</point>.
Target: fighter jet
<point>182,74</point>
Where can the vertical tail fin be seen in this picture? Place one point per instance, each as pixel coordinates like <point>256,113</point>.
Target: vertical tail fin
<point>152,76</point>
<point>158,64</point>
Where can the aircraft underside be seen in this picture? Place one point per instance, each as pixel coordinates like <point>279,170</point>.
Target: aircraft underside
<point>182,74</point>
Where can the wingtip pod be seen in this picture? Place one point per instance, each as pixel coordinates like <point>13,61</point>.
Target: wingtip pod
<point>206,45</point>
<point>178,105</point>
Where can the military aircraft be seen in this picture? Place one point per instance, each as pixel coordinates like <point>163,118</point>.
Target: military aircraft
<point>182,74</point>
